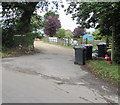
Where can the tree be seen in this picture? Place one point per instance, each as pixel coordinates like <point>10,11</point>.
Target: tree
<point>68,34</point>
<point>36,22</point>
<point>50,13</point>
<point>105,14</point>
<point>52,25</point>
<point>16,20</point>
<point>18,14</point>
<point>61,33</point>
<point>78,32</point>
<point>96,34</point>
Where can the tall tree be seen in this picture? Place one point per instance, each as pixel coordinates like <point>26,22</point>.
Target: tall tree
<point>105,14</point>
<point>52,25</point>
<point>18,14</point>
<point>50,13</point>
<point>16,20</point>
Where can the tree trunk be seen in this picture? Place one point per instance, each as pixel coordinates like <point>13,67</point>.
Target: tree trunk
<point>113,43</point>
<point>26,17</point>
<point>116,53</point>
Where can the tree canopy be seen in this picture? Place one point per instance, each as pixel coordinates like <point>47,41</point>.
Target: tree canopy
<point>50,13</point>
<point>96,14</point>
<point>102,15</point>
<point>78,32</point>
<point>96,34</point>
<point>52,25</point>
<point>16,20</point>
<point>61,33</point>
<point>18,14</point>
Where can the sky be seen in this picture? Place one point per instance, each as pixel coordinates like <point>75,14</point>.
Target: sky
<point>66,21</point>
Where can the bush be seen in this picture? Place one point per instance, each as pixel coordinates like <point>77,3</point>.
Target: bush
<point>62,33</point>
<point>25,40</point>
<point>7,38</point>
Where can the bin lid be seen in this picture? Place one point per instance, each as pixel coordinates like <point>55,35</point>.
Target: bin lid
<point>102,43</point>
<point>76,47</point>
<point>81,47</point>
<point>88,45</point>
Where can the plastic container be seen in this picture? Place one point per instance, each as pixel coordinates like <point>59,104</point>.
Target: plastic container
<point>102,49</point>
<point>89,51</point>
<point>79,55</point>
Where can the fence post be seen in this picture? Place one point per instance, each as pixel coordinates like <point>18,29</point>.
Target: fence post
<point>86,41</point>
<point>79,41</point>
<point>68,41</point>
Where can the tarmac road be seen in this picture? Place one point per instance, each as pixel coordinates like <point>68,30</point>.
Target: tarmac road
<point>51,76</point>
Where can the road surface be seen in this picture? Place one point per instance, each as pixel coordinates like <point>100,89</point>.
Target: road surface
<point>51,76</point>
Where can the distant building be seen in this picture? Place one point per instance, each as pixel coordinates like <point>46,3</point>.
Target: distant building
<point>88,36</point>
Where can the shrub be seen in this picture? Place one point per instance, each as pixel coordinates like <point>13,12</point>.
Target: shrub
<point>24,41</point>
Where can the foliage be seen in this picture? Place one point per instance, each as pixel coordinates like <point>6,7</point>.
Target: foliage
<point>16,20</point>
<point>96,35</point>
<point>102,15</point>
<point>68,34</point>
<point>78,32</point>
<point>36,22</point>
<point>50,13</point>
<point>61,33</point>
<point>24,40</point>
<point>52,25</point>
<point>18,14</point>
<point>90,13</point>
<point>39,35</point>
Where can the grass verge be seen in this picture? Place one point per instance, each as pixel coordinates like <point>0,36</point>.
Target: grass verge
<point>108,72</point>
<point>15,52</point>
<point>7,54</point>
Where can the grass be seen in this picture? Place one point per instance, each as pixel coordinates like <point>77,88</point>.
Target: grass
<point>7,53</point>
<point>14,52</point>
<point>108,72</point>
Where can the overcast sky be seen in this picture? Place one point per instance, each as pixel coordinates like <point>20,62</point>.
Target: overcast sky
<point>66,21</point>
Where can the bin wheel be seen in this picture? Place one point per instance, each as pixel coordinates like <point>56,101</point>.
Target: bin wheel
<point>75,63</point>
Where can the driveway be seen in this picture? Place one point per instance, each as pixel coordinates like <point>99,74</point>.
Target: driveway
<point>51,76</point>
